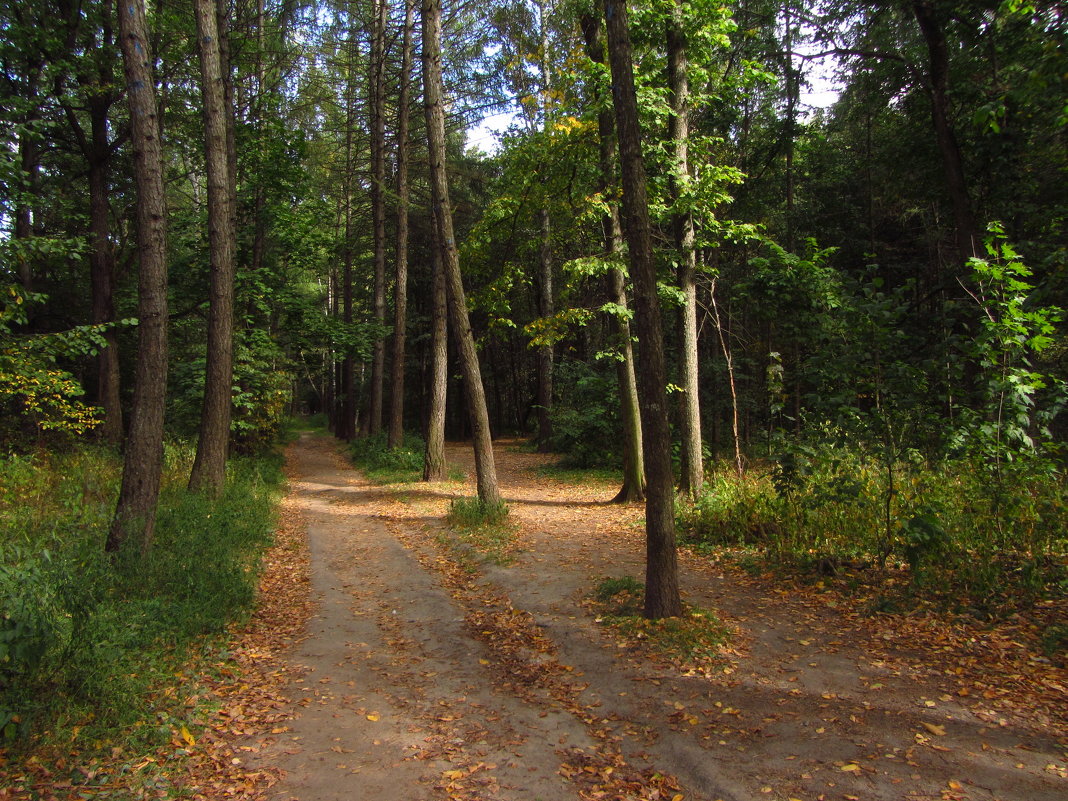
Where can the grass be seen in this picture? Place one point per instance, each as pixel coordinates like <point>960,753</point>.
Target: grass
<point>384,465</point>
<point>935,536</point>
<point>693,638</point>
<point>88,643</point>
<point>580,475</point>
<point>485,528</point>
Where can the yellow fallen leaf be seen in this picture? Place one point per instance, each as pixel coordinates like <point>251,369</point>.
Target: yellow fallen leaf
<point>677,797</point>
<point>935,729</point>
<point>372,717</point>
<point>189,739</point>
<point>850,767</point>
<point>954,785</point>
<point>453,774</point>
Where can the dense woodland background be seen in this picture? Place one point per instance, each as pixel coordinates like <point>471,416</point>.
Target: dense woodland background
<point>864,352</point>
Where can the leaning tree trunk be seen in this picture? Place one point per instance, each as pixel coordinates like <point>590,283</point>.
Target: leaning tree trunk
<point>378,207</point>
<point>135,514</point>
<point>661,571</point>
<point>209,466</point>
<point>633,488</point>
<point>400,288</point>
<point>692,475</point>
<point>485,469</point>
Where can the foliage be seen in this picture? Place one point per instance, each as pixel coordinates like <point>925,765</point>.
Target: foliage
<point>34,389</point>
<point>384,465</point>
<point>586,419</point>
<point>829,517</point>
<point>85,635</point>
<point>474,512</point>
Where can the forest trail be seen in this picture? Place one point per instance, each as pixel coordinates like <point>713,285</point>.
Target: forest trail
<point>429,673</point>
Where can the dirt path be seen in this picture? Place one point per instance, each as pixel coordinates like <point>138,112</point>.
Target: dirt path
<point>425,677</point>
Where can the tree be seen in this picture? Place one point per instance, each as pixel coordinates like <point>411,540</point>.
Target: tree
<point>488,491</point>
<point>143,464</point>
<point>692,476</point>
<point>377,101</point>
<point>400,286</point>
<point>633,488</point>
<point>209,466</point>
<point>662,597</point>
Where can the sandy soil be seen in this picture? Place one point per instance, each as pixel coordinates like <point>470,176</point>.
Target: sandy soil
<point>429,673</point>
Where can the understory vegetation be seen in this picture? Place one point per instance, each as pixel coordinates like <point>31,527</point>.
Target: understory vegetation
<point>90,642</point>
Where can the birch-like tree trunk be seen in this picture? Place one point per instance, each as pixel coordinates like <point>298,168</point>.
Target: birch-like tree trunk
<point>692,474</point>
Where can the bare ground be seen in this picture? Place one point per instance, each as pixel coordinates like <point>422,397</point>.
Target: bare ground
<point>429,673</point>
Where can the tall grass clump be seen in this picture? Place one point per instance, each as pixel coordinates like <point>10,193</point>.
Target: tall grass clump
<point>84,636</point>
<point>384,465</point>
<point>939,525</point>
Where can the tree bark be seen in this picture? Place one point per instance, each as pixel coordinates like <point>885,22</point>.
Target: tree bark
<point>434,457</point>
<point>209,466</point>
<point>662,597</point>
<point>544,364</point>
<point>135,514</point>
<point>378,206</point>
<point>692,475</point>
<point>485,469</point>
<point>633,488</point>
<point>400,287</point>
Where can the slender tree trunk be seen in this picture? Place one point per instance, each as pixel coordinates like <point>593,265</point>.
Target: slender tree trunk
<point>135,514</point>
<point>346,426</point>
<point>30,168</point>
<point>400,289</point>
<point>952,164</point>
<point>434,457</point>
<point>692,476</point>
<point>378,206</point>
<point>102,267</point>
<point>544,364</point>
<point>209,466</point>
<point>488,491</point>
<point>633,488</point>
<point>662,597</point>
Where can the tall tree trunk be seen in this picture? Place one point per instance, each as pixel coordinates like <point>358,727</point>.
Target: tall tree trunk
<point>30,168</point>
<point>633,488</point>
<point>434,457</point>
<point>346,425</point>
<point>400,287</point>
<point>692,476</point>
<point>102,268</point>
<point>544,362</point>
<point>952,164</point>
<point>544,365</point>
<point>485,469</point>
<point>135,514</point>
<point>661,570</point>
<point>377,97</point>
<point>209,466</point>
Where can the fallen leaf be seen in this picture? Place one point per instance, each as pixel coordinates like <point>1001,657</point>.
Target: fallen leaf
<point>934,728</point>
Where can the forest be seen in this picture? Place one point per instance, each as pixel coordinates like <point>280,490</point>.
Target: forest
<point>823,338</point>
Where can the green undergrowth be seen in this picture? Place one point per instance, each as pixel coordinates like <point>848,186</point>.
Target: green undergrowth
<point>484,527</point>
<point>89,643</point>
<point>943,534</point>
<point>697,636</point>
<point>580,475</point>
<point>384,465</point>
